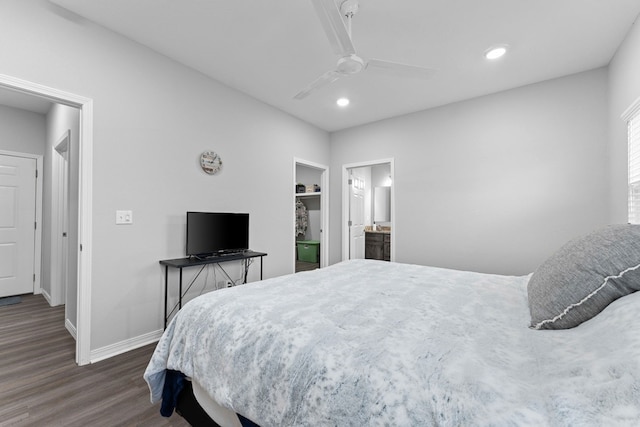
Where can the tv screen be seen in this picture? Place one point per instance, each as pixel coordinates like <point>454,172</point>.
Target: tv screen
<point>210,233</point>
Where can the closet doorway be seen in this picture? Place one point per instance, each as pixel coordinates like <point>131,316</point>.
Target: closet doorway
<point>311,215</point>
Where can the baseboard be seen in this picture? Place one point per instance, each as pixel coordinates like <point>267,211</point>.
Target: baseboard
<point>46,296</point>
<point>72,329</point>
<point>124,346</point>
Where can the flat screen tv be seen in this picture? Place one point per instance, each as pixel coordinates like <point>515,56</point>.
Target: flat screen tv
<point>214,233</point>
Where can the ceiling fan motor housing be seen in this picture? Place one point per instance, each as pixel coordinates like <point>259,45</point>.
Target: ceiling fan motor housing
<point>351,64</point>
<point>349,7</point>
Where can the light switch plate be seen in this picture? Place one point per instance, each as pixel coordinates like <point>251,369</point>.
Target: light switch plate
<point>124,217</point>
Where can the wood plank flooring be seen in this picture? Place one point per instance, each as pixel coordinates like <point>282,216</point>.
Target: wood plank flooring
<point>306,266</point>
<point>41,385</point>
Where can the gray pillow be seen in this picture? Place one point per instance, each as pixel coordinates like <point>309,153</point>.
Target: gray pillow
<point>584,276</point>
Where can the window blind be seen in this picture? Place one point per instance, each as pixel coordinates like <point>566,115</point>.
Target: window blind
<point>632,116</point>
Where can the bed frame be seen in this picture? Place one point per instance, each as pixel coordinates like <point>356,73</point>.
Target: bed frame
<point>187,407</point>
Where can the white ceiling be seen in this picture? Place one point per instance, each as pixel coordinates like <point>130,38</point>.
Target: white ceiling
<point>271,49</point>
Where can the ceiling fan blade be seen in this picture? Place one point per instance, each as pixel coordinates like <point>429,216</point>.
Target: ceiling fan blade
<point>325,79</point>
<point>334,26</point>
<point>401,70</point>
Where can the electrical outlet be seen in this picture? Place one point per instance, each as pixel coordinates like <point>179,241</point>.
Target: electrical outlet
<point>124,217</point>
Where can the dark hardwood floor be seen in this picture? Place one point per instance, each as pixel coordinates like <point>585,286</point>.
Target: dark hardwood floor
<point>40,384</point>
<point>306,266</point>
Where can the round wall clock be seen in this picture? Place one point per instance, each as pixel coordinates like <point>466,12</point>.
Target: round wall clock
<point>210,162</point>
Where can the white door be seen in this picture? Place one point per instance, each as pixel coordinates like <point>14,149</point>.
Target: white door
<point>356,216</point>
<point>17,224</point>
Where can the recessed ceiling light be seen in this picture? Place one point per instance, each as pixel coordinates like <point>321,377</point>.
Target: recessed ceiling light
<point>495,52</point>
<point>343,102</point>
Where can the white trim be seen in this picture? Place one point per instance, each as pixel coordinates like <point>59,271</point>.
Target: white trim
<point>72,329</point>
<point>324,208</point>
<point>46,296</point>
<point>345,203</point>
<point>37,251</point>
<point>37,286</point>
<point>124,346</point>
<point>85,105</point>
<point>85,234</point>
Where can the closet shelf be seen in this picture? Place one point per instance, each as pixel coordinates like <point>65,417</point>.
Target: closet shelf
<point>316,193</point>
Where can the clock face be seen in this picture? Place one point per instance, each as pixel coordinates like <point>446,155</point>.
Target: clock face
<point>210,162</point>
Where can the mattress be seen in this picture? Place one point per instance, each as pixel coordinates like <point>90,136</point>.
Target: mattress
<point>368,342</point>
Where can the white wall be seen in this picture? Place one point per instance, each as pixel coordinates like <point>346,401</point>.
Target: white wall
<point>492,184</point>
<point>152,119</point>
<point>624,87</point>
<point>21,131</point>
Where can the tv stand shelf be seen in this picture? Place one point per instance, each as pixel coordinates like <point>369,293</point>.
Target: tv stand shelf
<point>181,263</point>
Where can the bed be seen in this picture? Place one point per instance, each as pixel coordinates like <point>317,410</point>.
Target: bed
<point>372,343</point>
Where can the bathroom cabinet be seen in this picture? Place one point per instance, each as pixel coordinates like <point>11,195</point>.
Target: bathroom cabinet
<point>377,245</point>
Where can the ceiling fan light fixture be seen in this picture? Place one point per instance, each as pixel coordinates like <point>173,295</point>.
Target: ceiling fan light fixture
<point>496,52</point>
<point>342,102</point>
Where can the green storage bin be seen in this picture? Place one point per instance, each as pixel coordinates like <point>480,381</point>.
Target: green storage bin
<point>308,250</point>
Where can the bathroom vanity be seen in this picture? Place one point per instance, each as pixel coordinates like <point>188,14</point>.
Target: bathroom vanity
<point>377,244</point>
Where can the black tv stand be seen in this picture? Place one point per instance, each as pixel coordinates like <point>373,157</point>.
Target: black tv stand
<point>193,261</point>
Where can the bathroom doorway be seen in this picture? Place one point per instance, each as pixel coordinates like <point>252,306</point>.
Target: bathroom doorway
<point>368,207</point>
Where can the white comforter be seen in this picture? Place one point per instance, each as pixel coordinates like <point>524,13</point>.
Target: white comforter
<point>367,343</point>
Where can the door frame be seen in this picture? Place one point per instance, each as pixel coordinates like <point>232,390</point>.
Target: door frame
<point>345,203</point>
<point>60,212</point>
<point>85,165</point>
<point>37,251</point>
<point>324,209</point>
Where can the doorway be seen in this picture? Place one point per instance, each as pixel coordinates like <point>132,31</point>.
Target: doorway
<point>311,215</point>
<point>85,137</point>
<point>59,220</point>
<point>64,223</point>
<point>368,210</point>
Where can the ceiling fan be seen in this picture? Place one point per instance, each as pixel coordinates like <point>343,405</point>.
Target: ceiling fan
<point>339,33</point>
